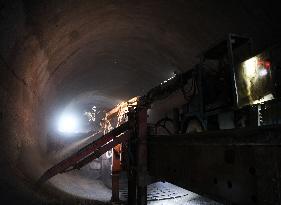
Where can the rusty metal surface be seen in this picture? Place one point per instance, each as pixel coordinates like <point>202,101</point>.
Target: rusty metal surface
<point>222,166</point>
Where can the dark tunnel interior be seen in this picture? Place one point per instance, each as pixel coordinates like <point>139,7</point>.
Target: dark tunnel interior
<point>80,54</point>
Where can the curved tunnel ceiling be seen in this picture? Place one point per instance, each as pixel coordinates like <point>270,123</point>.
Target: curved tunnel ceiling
<point>87,42</point>
<point>53,52</point>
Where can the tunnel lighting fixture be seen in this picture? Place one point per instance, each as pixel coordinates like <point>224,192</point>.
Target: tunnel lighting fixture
<point>165,81</point>
<point>68,123</point>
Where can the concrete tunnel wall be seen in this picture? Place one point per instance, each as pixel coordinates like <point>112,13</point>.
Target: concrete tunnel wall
<point>53,51</point>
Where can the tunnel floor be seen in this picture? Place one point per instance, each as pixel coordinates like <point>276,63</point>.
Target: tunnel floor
<point>76,185</point>
<point>159,193</point>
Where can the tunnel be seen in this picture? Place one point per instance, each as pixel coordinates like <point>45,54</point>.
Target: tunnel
<point>59,54</point>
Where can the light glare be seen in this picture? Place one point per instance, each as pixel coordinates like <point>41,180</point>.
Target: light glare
<point>68,123</point>
<point>263,72</point>
<point>250,66</point>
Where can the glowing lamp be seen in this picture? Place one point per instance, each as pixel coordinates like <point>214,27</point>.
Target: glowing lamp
<point>68,123</point>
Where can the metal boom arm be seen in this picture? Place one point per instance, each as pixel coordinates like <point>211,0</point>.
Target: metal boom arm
<point>88,153</point>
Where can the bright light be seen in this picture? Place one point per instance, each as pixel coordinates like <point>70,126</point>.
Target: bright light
<point>68,123</point>
<point>263,72</point>
<point>250,66</point>
<point>264,99</point>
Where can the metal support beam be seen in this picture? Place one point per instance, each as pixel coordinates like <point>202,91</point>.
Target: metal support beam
<point>132,186</point>
<point>88,153</point>
<point>115,173</point>
<point>137,173</point>
<point>142,157</point>
<point>131,161</point>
